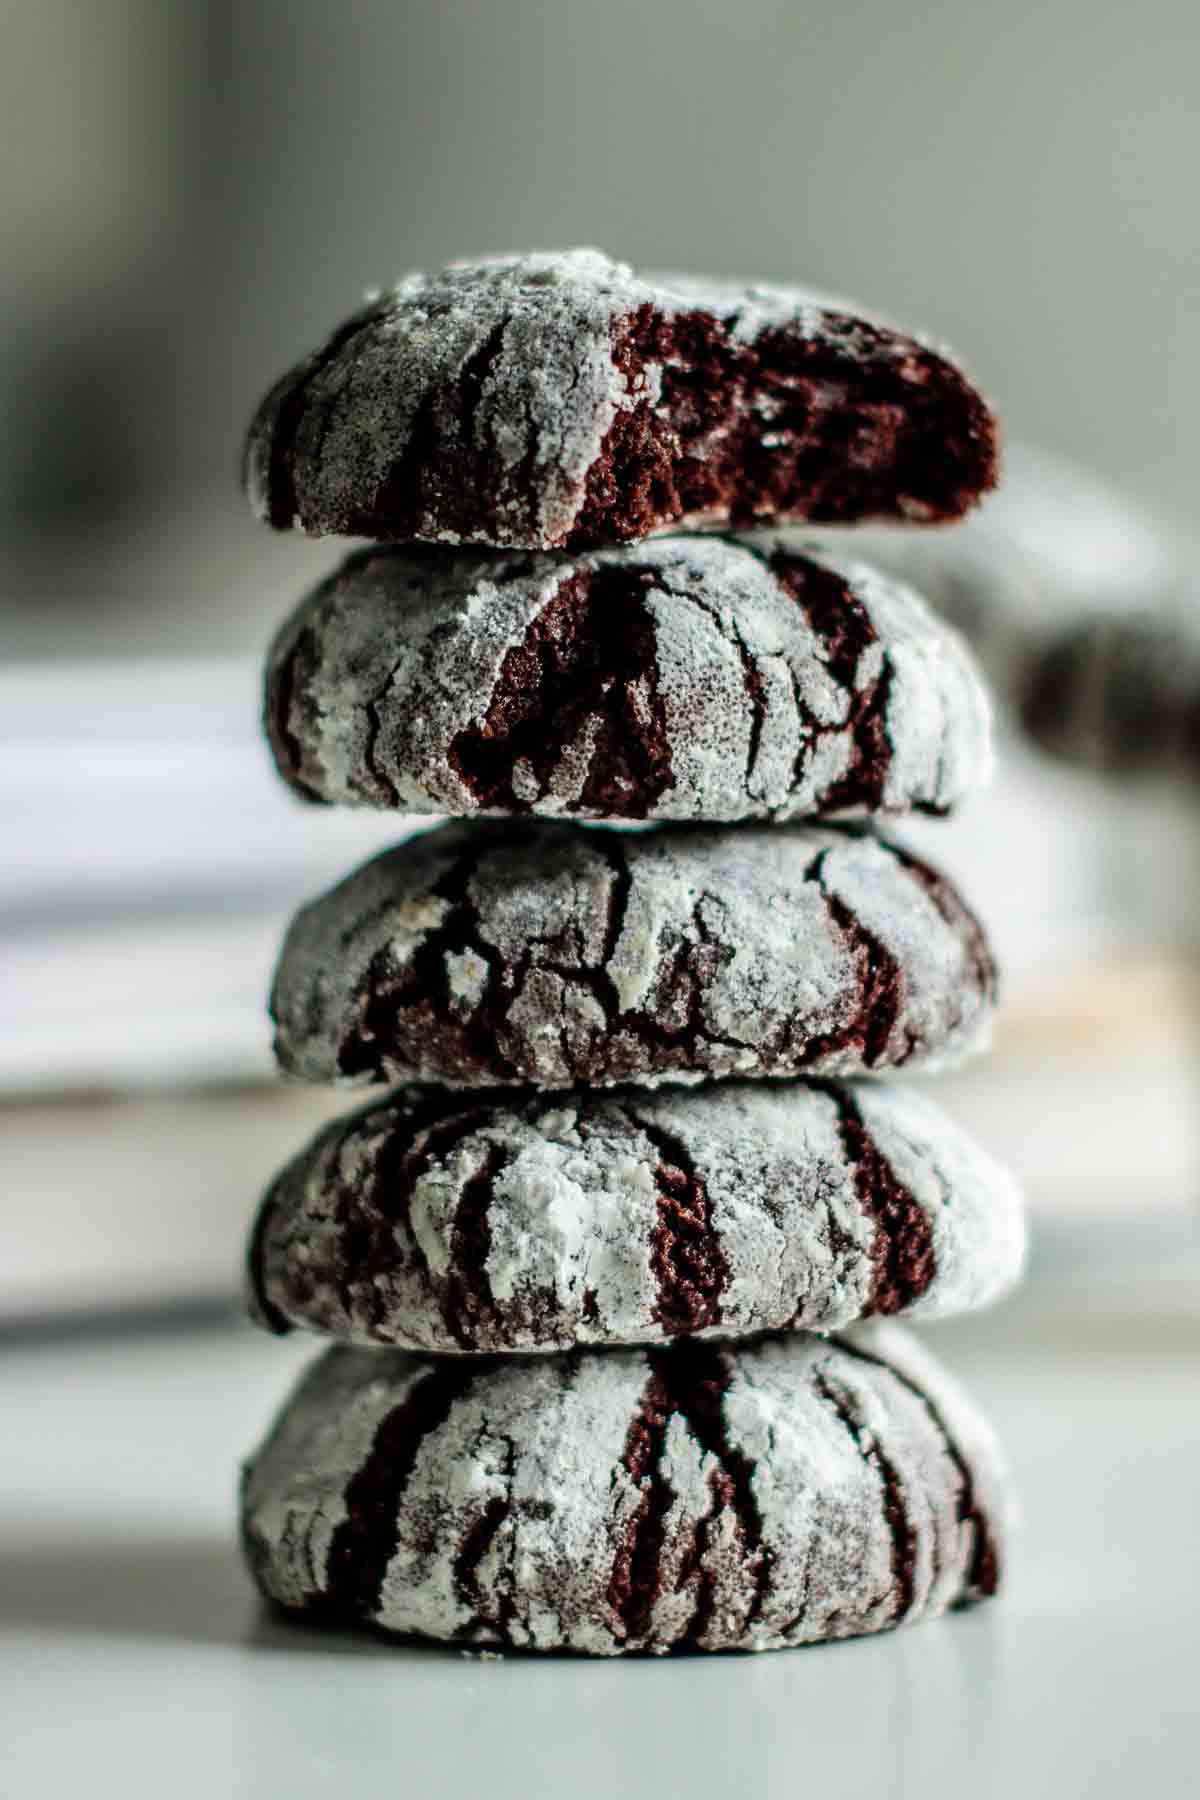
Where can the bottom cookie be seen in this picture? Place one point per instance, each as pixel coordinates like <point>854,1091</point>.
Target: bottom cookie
<point>696,1498</point>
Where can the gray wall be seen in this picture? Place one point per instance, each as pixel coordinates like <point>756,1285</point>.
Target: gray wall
<point>218,182</point>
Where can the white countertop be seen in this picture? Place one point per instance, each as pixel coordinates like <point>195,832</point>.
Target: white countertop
<point>137,1661</point>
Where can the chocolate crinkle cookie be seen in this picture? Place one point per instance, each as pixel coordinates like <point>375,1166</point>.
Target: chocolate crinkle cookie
<point>556,400</point>
<point>684,1499</point>
<point>543,1223</point>
<point>690,678</point>
<point>487,954</point>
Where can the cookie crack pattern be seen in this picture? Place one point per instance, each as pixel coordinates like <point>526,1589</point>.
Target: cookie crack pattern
<point>375,725</point>
<point>371,1215</point>
<point>373,1223</point>
<point>904,1537</point>
<point>584,670</point>
<point>380,1023</point>
<point>365,1540</point>
<point>691,1381</point>
<point>843,628</point>
<point>473,378</point>
<point>476,1543</point>
<point>636,1579</point>
<point>468,1306</point>
<point>286,406</point>
<point>401,503</point>
<point>874,1017</point>
<point>903,1253</point>
<point>700,1377</point>
<point>681,1045</point>
<point>287,682</point>
<point>709,954</point>
<point>865,779</point>
<point>618,903</point>
<point>983,1566</point>
<point>757,696</point>
<point>688,1264</point>
<point>963,924</point>
<point>752,678</point>
<point>376,1228</point>
<point>441,454</point>
<point>844,633</point>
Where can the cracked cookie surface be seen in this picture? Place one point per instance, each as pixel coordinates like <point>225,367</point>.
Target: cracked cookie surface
<point>546,1223</point>
<point>534,951</point>
<point>556,399</point>
<point>689,678</point>
<point>694,1498</point>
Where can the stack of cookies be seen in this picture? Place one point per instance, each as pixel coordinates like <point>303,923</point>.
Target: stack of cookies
<point>597,1265</point>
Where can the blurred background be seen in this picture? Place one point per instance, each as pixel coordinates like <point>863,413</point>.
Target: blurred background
<point>192,194</point>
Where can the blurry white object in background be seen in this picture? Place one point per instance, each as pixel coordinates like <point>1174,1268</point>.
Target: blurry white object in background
<point>133,782</point>
<point>1031,854</point>
<point>1090,1091</point>
<point>158,862</point>
<point>1098,546</point>
<point>141,1201</point>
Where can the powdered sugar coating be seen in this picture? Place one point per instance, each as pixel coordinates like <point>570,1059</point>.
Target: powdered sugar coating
<point>598,955</point>
<point>691,1499</point>
<point>504,401</point>
<point>549,1223</point>
<point>687,678</point>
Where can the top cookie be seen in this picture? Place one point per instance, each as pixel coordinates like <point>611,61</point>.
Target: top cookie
<point>558,400</point>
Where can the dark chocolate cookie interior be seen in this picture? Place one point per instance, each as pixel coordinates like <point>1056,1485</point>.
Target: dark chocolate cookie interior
<point>785,426</point>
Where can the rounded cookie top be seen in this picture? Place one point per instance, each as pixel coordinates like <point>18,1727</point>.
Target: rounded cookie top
<point>556,399</point>
<point>625,1217</point>
<point>694,1498</point>
<point>539,952</point>
<point>688,678</point>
